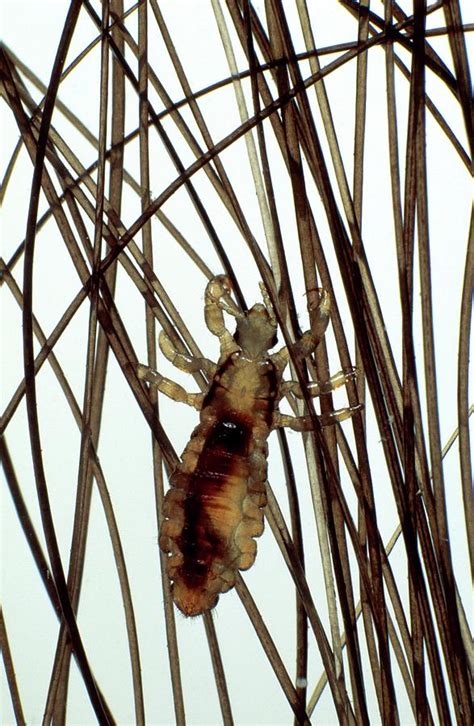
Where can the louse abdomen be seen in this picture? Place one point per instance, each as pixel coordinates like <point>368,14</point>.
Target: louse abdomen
<point>213,537</point>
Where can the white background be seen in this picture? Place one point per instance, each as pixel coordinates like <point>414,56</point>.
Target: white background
<point>32,31</point>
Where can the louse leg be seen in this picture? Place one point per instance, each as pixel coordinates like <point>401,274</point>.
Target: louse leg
<point>169,388</point>
<point>268,303</point>
<point>319,388</point>
<point>217,300</point>
<point>187,363</point>
<point>304,423</point>
<point>311,338</point>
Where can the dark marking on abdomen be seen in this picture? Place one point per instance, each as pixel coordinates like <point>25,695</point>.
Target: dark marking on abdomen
<point>265,405</point>
<point>224,454</point>
<point>230,435</point>
<point>197,542</point>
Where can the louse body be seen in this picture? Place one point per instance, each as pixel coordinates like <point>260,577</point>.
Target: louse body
<point>214,508</point>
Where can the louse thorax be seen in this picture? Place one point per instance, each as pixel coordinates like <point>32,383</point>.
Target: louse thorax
<point>247,381</point>
<point>245,386</point>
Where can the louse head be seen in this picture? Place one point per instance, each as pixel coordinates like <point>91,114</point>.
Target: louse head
<point>256,331</point>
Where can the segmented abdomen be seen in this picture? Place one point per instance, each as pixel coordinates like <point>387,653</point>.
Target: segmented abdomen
<point>214,509</point>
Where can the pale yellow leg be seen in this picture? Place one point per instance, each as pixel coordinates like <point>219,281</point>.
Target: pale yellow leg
<point>318,388</point>
<point>304,423</point>
<point>169,388</point>
<point>187,363</point>
<point>309,340</point>
<point>217,300</point>
<point>267,302</point>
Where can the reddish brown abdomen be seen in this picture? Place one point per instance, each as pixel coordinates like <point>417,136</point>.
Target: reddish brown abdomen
<point>208,507</point>
<point>214,508</point>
